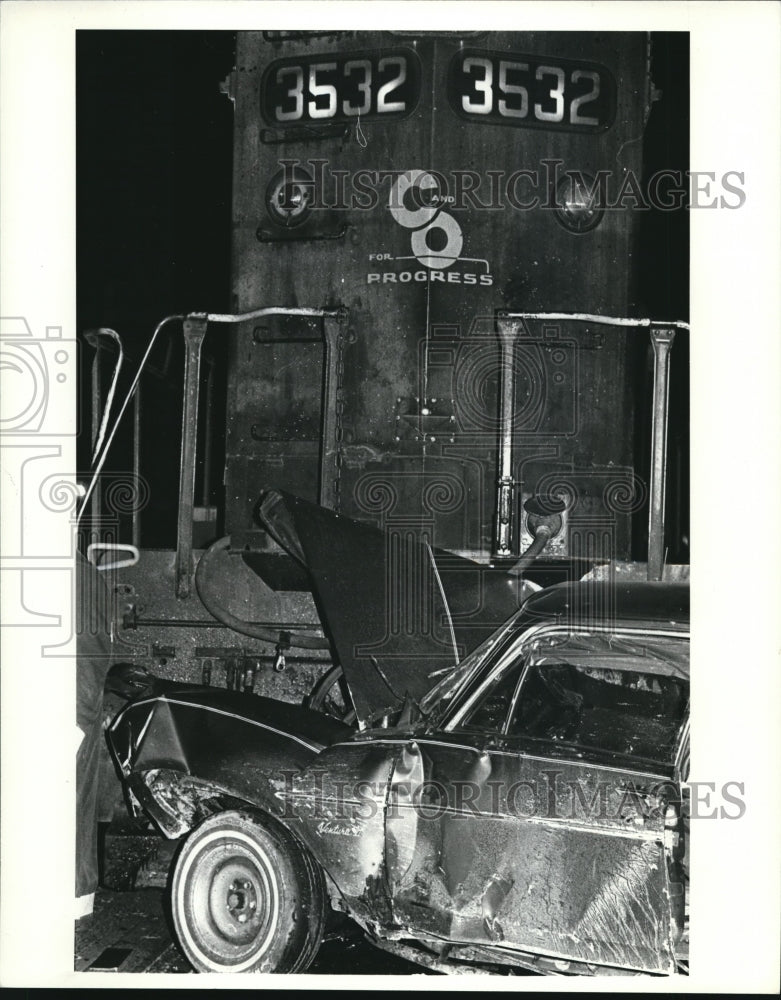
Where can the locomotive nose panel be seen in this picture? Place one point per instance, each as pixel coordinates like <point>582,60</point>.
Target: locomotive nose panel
<point>424,188</point>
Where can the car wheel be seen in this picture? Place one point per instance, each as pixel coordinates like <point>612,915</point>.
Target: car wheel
<point>246,897</point>
<point>331,696</point>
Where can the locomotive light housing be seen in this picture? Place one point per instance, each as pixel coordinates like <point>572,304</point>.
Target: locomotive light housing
<point>578,205</point>
<point>288,197</point>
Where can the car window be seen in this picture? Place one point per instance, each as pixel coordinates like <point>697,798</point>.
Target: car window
<point>440,696</point>
<point>623,711</point>
<point>490,711</point>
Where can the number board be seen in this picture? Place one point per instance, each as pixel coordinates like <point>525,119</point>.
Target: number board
<point>343,87</point>
<point>531,91</point>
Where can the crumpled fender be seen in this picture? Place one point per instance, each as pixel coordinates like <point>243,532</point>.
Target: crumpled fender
<point>186,750</point>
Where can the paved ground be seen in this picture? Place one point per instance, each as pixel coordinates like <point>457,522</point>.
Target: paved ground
<point>129,932</point>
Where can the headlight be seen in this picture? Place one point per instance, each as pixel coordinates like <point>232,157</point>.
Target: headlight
<point>578,202</point>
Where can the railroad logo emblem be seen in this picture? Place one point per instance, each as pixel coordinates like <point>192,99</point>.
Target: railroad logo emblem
<point>436,239</point>
<point>418,204</point>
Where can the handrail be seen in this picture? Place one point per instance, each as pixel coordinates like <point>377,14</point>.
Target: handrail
<point>662,334</point>
<point>267,311</point>
<point>92,336</point>
<point>210,318</point>
<point>595,318</point>
<point>104,454</point>
<point>194,326</point>
<point>96,547</point>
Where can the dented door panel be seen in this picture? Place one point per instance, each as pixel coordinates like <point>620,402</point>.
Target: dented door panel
<point>491,847</point>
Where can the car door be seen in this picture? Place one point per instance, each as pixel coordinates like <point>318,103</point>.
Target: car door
<point>445,829</point>
<point>497,838</point>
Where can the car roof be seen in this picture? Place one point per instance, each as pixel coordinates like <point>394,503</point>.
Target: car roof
<point>609,605</point>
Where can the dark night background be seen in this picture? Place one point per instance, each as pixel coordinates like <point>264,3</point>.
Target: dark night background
<point>153,166</point>
<point>154,149</point>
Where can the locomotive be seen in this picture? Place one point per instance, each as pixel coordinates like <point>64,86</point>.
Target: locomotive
<point>448,317</point>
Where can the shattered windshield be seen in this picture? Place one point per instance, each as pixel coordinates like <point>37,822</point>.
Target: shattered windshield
<point>452,679</point>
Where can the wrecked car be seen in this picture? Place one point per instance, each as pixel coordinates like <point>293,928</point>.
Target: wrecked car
<point>518,807</point>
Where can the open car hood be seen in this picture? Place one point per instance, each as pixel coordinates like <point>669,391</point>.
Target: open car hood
<point>398,612</point>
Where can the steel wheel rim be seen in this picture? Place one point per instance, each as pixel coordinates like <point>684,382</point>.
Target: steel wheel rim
<point>228,901</point>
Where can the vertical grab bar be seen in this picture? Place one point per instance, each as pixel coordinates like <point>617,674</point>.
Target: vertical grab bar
<point>505,485</point>
<point>194,332</point>
<point>662,341</point>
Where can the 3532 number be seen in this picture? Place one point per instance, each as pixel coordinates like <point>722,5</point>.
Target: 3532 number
<point>526,91</point>
<point>342,87</point>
